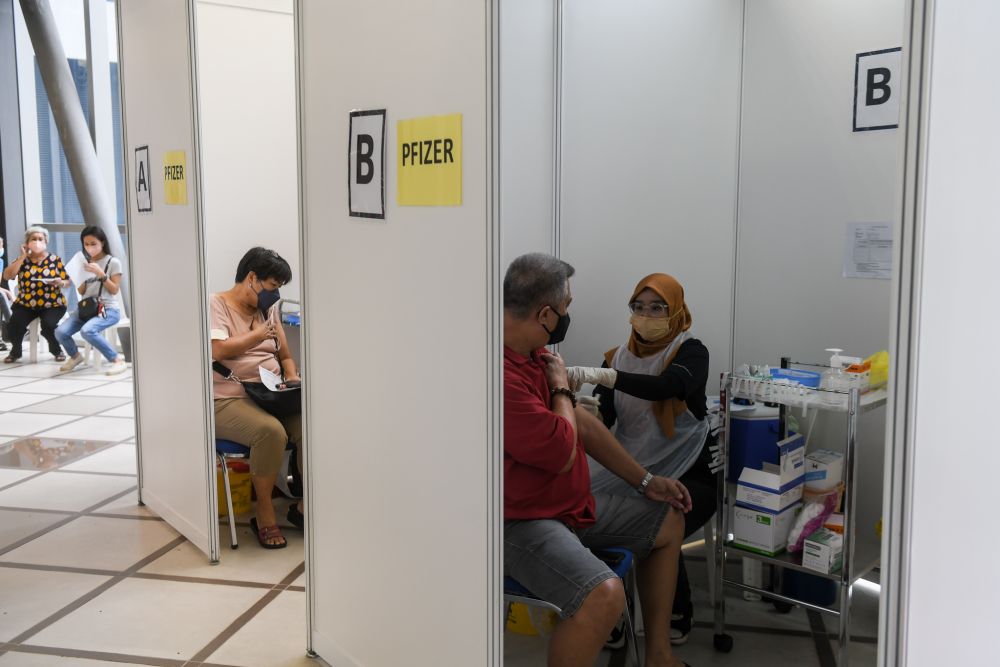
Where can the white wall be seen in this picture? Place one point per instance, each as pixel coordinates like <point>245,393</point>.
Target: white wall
<point>527,99</point>
<point>649,139</point>
<point>947,540</point>
<point>246,68</point>
<point>804,175</point>
<point>401,346</point>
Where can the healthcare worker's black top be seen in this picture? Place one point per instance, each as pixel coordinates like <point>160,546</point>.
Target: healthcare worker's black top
<point>684,378</point>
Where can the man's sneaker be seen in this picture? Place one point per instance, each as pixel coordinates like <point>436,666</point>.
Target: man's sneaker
<point>72,363</point>
<point>117,366</point>
<point>680,629</point>
<point>617,638</point>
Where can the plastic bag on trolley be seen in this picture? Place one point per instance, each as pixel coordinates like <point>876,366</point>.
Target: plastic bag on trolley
<point>809,520</point>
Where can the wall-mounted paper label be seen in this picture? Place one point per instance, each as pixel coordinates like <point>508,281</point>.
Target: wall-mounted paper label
<point>877,89</point>
<point>868,251</point>
<point>366,164</point>
<point>429,160</point>
<point>175,178</point>
<point>143,198</point>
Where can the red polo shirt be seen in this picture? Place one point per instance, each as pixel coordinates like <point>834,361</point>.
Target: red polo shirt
<point>536,445</point>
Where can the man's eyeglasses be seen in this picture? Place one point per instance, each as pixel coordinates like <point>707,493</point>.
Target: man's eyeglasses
<point>649,309</point>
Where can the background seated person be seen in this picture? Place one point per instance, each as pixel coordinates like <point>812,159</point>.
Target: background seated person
<point>653,386</point>
<point>41,278</point>
<point>551,518</point>
<point>104,283</point>
<point>246,334</point>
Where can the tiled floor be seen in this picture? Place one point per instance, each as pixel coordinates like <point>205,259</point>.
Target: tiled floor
<point>88,576</point>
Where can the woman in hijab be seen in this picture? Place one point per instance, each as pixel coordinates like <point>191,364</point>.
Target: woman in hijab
<point>653,389</point>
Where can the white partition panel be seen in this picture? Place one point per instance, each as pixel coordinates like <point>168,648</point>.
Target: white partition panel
<point>650,120</point>
<point>169,305</point>
<point>804,175</point>
<point>401,346</point>
<point>947,455</point>
<point>246,72</point>
<point>527,121</point>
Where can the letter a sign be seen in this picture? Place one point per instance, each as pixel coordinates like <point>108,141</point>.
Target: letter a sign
<point>143,201</point>
<point>366,164</point>
<point>877,81</point>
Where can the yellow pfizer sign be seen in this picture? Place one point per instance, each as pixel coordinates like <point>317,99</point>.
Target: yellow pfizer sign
<point>429,159</point>
<point>175,178</point>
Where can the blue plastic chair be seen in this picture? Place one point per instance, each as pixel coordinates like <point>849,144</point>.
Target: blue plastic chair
<point>227,449</point>
<point>513,591</point>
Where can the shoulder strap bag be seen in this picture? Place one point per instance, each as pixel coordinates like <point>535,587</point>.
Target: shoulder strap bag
<point>283,403</point>
<point>91,307</point>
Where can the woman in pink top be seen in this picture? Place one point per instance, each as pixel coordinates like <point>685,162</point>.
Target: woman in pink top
<point>247,334</point>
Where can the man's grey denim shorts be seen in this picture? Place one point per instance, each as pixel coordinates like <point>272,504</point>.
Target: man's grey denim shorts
<point>555,563</point>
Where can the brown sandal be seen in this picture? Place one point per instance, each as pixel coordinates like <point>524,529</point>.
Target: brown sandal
<point>268,533</point>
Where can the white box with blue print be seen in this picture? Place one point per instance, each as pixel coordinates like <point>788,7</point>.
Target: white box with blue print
<point>775,487</point>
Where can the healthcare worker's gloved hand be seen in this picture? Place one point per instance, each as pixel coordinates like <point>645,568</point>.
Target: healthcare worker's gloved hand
<point>579,375</point>
<point>591,404</point>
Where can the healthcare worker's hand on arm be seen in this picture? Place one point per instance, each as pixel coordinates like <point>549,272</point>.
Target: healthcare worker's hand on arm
<point>670,491</point>
<point>580,375</point>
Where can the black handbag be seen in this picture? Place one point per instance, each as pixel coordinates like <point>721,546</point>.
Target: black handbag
<point>283,403</point>
<point>91,307</point>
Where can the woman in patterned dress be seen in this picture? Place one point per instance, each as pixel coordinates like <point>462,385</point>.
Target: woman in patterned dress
<point>41,278</point>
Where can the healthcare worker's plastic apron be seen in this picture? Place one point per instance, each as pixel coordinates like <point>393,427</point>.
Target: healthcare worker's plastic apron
<point>640,434</point>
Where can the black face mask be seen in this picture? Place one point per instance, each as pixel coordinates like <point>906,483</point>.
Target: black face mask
<point>558,334</point>
<point>266,298</point>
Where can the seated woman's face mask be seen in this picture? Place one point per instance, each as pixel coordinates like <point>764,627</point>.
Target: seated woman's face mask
<point>266,298</point>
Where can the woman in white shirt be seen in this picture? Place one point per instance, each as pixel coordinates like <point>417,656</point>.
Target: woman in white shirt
<point>103,285</point>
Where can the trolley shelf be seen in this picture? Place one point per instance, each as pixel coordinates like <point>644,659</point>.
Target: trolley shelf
<point>859,557</point>
<point>769,391</point>
<point>791,561</point>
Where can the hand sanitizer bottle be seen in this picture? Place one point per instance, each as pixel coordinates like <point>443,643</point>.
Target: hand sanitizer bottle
<point>834,378</point>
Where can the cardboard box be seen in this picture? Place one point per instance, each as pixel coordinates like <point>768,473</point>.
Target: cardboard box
<point>824,469</point>
<point>763,532</point>
<point>775,487</point>
<point>823,551</point>
<point>835,522</point>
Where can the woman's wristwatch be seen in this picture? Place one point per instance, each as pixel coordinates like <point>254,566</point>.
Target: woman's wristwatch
<point>641,489</point>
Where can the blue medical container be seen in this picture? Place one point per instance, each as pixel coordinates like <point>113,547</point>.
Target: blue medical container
<point>752,439</point>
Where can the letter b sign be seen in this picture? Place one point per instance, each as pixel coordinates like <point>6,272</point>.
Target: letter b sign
<point>366,164</point>
<point>876,89</point>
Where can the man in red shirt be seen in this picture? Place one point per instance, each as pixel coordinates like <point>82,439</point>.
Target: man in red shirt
<point>551,519</point>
